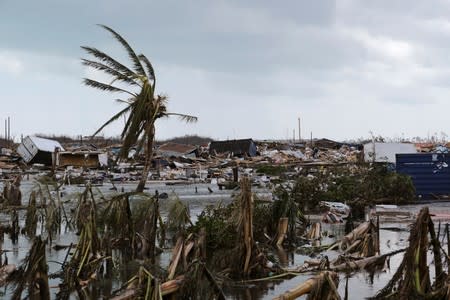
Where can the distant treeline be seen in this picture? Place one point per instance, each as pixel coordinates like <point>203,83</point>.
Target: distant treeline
<point>100,141</point>
<point>187,140</point>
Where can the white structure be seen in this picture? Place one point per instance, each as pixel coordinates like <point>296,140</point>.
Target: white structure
<point>32,145</point>
<point>385,152</point>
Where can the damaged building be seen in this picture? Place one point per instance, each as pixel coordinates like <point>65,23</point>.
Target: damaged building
<point>83,159</point>
<point>36,150</point>
<point>177,150</point>
<point>234,147</point>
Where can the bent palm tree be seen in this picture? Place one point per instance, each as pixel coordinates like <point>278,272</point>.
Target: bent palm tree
<point>142,108</point>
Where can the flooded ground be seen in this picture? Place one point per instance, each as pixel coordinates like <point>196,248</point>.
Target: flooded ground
<point>393,236</point>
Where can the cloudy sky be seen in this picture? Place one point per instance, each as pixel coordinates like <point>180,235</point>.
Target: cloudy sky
<point>245,68</point>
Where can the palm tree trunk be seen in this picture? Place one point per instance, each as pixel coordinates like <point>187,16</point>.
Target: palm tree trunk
<point>148,159</point>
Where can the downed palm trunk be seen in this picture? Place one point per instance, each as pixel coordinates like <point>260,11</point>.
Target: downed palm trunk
<point>150,226</point>
<point>365,263</point>
<point>246,224</point>
<point>31,218</point>
<point>250,261</point>
<point>11,193</point>
<point>146,286</point>
<point>315,232</point>
<point>344,263</point>
<point>363,240</point>
<point>177,254</point>
<point>320,287</point>
<point>167,288</point>
<point>85,262</point>
<point>282,230</point>
<point>32,273</point>
<point>188,257</point>
<point>412,278</point>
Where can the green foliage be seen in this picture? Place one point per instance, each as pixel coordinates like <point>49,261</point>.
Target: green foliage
<point>187,140</point>
<point>117,221</point>
<point>178,217</point>
<point>288,207</point>
<point>141,209</point>
<point>220,231</point>
<point>262,220</point>
<point>273,170</point>
<point>365,183</point>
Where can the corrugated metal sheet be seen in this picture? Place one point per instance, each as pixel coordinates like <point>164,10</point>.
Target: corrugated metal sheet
<point>24,153</point>
<point>430,172</point>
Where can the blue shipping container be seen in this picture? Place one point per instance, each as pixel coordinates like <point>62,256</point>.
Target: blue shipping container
<point>429,172</point>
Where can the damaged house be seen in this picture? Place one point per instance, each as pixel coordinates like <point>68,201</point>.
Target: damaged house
<point>83,159</point>
<point>36,150</point>
<point>235,147</point>
<point>177,150</point>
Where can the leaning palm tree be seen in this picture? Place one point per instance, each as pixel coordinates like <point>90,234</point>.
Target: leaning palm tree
<point>142,106</point>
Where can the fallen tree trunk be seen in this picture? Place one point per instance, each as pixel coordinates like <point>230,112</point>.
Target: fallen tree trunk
<point>176,255</point>
<point>167,288</point>
<point>363,240</point>
<point>364,263</point>
<point>325,283</point>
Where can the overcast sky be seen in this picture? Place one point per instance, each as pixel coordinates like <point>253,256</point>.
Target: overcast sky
<point>245,68</point>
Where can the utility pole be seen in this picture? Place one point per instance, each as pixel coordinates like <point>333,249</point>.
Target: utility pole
<point>293,136</point>
<point>9,132</point>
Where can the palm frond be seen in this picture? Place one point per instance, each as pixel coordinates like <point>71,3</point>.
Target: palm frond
<point>113,118</point>
<point>116,74</point>
<point>162,99</point>
<point>134,58</point>
<point>121,101</point>
<point>105,87</point>
<point>150,70</point>
<point>134,126</point>
<point>102,56</point>
<point>178,216</point>
<point>140,144</point>
<point>183,117</point>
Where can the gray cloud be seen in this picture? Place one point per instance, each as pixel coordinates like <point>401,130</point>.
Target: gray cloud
<point>245,68</point>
